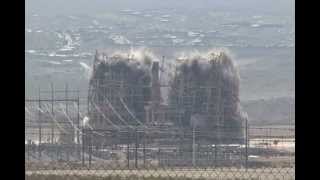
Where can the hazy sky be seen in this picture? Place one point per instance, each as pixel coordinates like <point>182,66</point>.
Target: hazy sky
<point>56,7</point>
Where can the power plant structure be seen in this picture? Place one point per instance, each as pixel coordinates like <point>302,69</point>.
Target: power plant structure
<point>125,92</point>
<point>145,112</point>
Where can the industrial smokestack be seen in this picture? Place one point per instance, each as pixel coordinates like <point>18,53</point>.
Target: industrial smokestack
<point>155,83</point>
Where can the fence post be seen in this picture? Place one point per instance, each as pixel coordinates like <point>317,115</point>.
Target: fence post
<point>159,158</point>
<point>28,153</point>
<point>215,154</point>
<point>211,158</point>
<point>68,151</point>
<point>247,141</point>
<point>78,125</point>
<point>144,150</point>
<point>128,150</point>
<point>83,146</point>
<point>136,150</point>
<point>40,126</point>
<point>52,112</point>
<point>193,147</point>
<point>90,149</point>
<point>57,151</point>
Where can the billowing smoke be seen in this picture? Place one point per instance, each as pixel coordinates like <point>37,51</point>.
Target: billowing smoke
<point>139,58</point>
<point>206,85</point>
<point>85,121</point>
<point>87,69</point>
<point>204,91</point>
<point>120,87</point>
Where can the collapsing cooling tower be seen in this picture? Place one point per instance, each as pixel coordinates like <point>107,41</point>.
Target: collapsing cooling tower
<point>119,89</point>
<point>205,93</point>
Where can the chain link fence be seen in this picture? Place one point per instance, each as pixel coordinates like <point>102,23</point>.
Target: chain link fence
<point>58,145</point>
<point>162,152</point>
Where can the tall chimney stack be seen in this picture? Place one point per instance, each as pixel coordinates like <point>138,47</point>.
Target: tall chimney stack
<point>155,94</point>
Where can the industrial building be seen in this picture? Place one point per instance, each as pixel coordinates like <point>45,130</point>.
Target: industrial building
<point>125,92</point>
